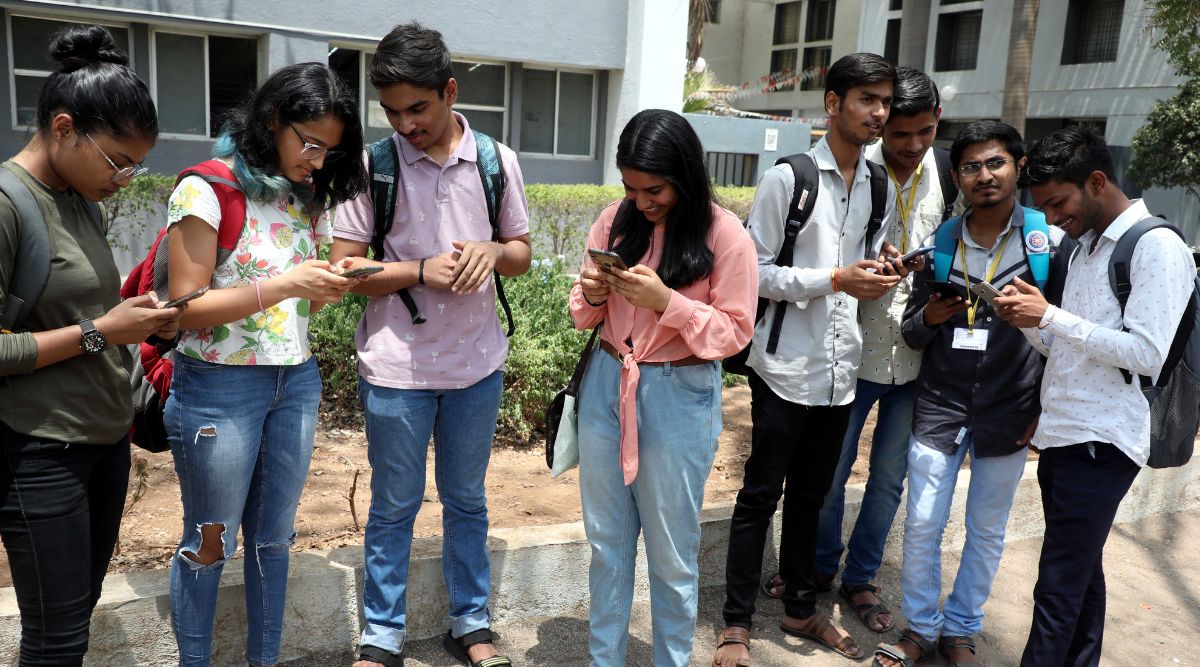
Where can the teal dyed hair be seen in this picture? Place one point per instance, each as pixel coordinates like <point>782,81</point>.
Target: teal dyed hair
<point>257,184</point>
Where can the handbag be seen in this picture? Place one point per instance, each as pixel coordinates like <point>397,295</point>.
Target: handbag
<point>562,418</point>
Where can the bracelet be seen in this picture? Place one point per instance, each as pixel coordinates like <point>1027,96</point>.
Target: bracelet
<point>258,293</point>
<point>421,272</point>
<point>589,302</point>
<point>1047,322</point>
<point>833,278</point>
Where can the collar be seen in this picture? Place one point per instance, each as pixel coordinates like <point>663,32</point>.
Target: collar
<point>929,172</point>
<point>825,160</point>
<point>465,150</point>
<point>1017,219</point>
<point>1137,211</point>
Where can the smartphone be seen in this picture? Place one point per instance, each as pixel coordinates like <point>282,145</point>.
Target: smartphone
<point>606,260</point>
<point>986,291</point>
<point>185,298</point>
<point>362,271</point>
<point>916,253</point>
<point>946,289</point>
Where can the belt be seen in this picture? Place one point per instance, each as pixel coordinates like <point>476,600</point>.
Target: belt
<point>686,361</point>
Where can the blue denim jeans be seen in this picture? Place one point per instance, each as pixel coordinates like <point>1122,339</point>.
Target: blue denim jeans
<point>400,422</point>
<point>242,439</point>
<point>679,419</point>
<point>932,475</point>
<point>885,483</point>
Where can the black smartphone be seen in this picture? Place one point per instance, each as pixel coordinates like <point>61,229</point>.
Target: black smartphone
<point>906,259</point>
<point>362,271</point>
<point>947,289</point>
<point>606,260</point>
<point>185,298</point>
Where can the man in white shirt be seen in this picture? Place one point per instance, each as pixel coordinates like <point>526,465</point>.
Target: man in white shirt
<point>1094,431</point>
<point>801,392</point>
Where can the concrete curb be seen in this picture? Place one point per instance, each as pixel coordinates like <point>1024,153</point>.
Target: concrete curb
<point>536,572</point>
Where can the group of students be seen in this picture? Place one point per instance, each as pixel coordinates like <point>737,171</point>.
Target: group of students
<point>951,374</point>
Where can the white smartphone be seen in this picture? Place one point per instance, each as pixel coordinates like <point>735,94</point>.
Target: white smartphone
<point>986,291</point>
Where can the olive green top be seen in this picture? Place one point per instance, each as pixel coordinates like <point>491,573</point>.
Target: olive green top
<point>85,399</point>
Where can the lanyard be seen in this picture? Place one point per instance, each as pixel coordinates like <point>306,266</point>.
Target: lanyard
<point>972,304</point>
<point>903,207</point>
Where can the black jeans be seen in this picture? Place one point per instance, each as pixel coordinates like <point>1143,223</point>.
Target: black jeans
<point>794,452</point>
<point>60,510</point>
<point>1080,496</point>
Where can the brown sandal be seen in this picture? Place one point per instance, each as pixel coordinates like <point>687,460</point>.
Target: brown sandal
<point>733,635</point>
<point>821,583</point>
<point>865,611</point>
<point>815,626</point>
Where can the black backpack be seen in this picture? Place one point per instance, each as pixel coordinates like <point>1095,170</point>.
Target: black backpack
<point>382,166</point>
<point>804,199</point>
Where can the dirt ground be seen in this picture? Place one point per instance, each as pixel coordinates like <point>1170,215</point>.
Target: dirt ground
<point>520,492</point>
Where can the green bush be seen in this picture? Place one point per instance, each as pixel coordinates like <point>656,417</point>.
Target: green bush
<point>134,205</point>
<point>331,334</point>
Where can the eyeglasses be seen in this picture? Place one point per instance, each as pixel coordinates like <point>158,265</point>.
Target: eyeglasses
<point>973,168</point>
<point>124,174</point>
<point>311,151</point>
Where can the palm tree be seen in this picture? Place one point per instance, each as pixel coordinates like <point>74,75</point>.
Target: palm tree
<point>698,12</point>
<point>1020,60</point>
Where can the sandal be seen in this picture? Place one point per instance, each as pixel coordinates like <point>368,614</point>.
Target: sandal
<point>379,655</point>
<point>734,635</point>
<point>865,611</point>
<point>458,648</point>
<point>892,651</point>
<point>947,644</point>
<point>815,626</point>
<point>821,584</point>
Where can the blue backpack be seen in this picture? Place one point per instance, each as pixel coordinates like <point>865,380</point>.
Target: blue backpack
<point>382,165</point>
<point>1037,247</point>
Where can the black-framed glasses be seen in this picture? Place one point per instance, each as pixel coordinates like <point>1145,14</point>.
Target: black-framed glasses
<point>312,151</point>
<point>123,174</point>
<point>973,168</point>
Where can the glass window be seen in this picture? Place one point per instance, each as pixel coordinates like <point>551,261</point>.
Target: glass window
<point>816,61</point>
<point>1093,31</point>
<point>891,42</point>
<point>480,83</point>
<point>787,23</point>
<point>958,41</point>
<point>575,113</point>
<point>783,68</point>
<point>180,83</point>
<point>820,20</point>
<point>558,112</point>
<point>232,75</point>
<point>714,11</point>
<point>537,111</point>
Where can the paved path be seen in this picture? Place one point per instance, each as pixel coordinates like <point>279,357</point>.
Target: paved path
<point>1153,576</point>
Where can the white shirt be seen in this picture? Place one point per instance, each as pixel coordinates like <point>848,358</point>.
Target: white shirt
<point>820,344</point>
<point>1084,396</point>
<point>886,359</point>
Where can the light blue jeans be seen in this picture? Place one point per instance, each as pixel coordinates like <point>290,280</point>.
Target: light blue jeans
<point>885,483</point>
<point>242,439</point>
<point>679,419</point>
<point>932,475</point>
<point>400,422</point>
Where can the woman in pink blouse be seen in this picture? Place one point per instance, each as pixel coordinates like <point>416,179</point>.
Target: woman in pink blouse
<point>650,402</point>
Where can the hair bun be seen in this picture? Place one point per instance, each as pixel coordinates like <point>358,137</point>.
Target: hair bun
<point>82,45</point>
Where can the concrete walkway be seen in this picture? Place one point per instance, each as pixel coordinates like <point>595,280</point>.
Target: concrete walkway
<point>1153,576</point>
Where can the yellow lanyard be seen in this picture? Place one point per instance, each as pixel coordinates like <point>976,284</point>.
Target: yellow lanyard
<point>902,207</point>
<point>972,304</point>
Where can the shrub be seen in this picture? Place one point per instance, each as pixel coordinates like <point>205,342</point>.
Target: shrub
<point>331,334</point>
<point>133,207</point>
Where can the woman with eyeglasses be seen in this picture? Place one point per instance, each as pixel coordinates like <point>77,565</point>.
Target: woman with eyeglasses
<point>65,397</point>
<point>242,412</point>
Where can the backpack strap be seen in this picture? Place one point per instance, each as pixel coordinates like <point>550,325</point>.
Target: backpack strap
<point>944,247</point>
<point>879,192</point>
<point>941,157</point>
<point>383,161</point>
<point>804,199</point>
<point>33,254</point>
<point>1119,269</point>
<point>1037,246</point>
<point>232,200</point>
<point>491,173</point>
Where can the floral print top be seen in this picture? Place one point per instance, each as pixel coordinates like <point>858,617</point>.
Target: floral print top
<point>276,237</point>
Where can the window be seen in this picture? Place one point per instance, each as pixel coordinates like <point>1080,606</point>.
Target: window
<point>895,5</point>
<point>558,112</point>
<point>783,69</point>
<point>816,61</point>
<point>732,168</point>
<point>197,78</point>
<point>956,2</point>
<point>891,42</point>
<point>787,23</point>
<point>714,11</point>
<point>957,41</point>
<point>819,25</point>
<point>483,96</point>
<point>1093,31</point>
<point>31,63</point>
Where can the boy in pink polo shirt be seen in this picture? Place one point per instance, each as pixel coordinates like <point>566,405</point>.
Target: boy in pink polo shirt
<point>441,377</point>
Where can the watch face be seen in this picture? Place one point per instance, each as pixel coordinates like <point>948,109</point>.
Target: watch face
<point>93,342</point>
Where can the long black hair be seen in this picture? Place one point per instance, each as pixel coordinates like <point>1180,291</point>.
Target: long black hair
<point>295,93</point>
<point>94,84</point>
<point>663,143</point>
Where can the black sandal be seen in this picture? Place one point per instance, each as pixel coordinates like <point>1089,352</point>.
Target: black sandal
<point>865,611</point>
<point>892,651</point>
<point>458,648</point>
<point>947,644</point>
<point>379,655</point>
<point>821,584</point>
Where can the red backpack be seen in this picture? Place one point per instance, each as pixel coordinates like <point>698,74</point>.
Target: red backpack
<point>151,378</point>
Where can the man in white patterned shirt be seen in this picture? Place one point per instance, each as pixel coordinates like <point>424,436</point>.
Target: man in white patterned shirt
<point>1094,431</point>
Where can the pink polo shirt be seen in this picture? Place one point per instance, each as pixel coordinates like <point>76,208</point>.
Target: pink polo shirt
<point>712,318</point>
<point>461,341</point>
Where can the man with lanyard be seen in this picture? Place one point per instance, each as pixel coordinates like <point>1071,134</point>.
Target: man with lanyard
<point>889,366</point>
<point>977,393</point>
<point>1094,432</point>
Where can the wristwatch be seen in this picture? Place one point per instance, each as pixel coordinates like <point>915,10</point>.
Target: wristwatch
<point>93,342</point>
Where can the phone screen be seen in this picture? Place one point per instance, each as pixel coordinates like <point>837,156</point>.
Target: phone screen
<point>362,271</point>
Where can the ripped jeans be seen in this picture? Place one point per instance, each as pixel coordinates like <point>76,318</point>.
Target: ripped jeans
<point>242,439</point>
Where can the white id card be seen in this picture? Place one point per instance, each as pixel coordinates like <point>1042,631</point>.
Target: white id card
<point>966,339</point>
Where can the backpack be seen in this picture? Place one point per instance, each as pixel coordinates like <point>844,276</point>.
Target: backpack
<point>33,254</point>
<point>1037,239</point>
<point>151,376</point>
<point>1175,399</point>
<point>382,164</point>
<point>941,158</point>
<point>804,199</point>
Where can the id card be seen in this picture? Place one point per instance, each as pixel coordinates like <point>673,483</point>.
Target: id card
<point>966,339</point>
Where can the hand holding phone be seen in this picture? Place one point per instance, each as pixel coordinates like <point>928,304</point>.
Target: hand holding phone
<point>173,303</point>
<point>606,260</point>
<point>362,271</point>
<point>946,289</point>
<point>986,291</point>
<point>911,257</point>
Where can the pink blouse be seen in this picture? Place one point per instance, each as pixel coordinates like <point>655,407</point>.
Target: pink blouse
<point>712,318</point>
